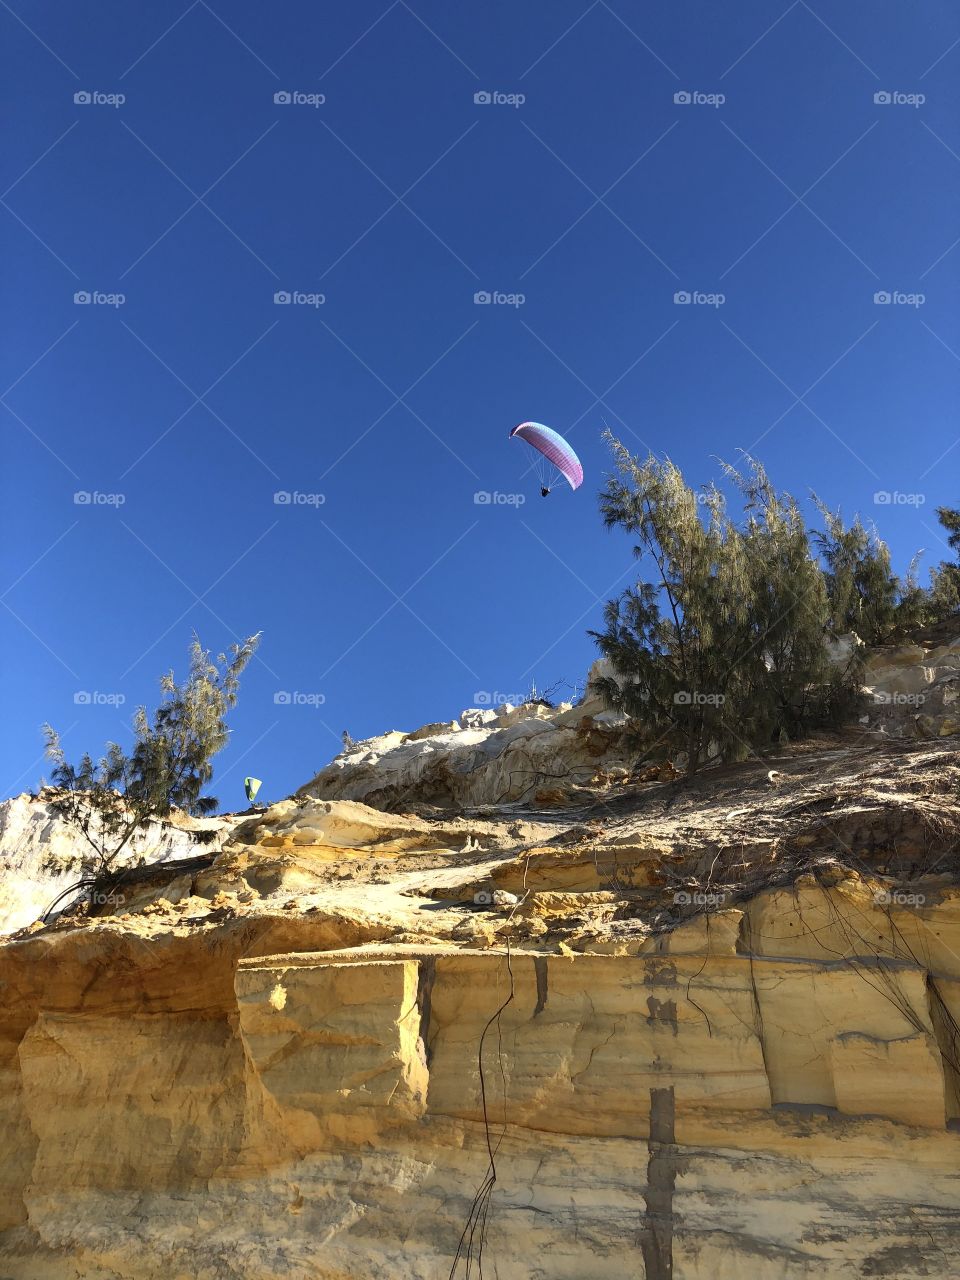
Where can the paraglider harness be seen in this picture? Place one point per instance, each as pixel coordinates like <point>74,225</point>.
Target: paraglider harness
<point>544,491</point>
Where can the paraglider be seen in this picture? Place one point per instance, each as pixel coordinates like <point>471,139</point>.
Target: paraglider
<point>251,786</point>
<point>555,452</point>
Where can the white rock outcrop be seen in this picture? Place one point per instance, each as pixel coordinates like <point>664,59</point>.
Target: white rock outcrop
<point>41,855</point>
<point>914,690</point>
<point>513,755</point>
<point>498,763</point>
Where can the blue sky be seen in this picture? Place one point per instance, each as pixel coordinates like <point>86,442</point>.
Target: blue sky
<point>581,186</point>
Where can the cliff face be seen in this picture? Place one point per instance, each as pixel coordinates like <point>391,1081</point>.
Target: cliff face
<point>41,856</point>
<point>542,756</point>
<point>691,1031</point>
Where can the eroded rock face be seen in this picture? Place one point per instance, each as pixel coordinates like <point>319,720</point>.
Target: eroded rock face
<point>705,1030</point>
<point>41,855</point>
<point>518,755</point>
<point>726,1112</point>
<point>915,689</point>
<point>523,755</point>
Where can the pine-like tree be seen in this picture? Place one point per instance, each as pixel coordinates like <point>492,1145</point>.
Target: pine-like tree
<point>108,801</point>
<point>663,637</point>
<point>946,579</point>
<point>862,588</point>
<point>724,650</point>
<point>785,607</point>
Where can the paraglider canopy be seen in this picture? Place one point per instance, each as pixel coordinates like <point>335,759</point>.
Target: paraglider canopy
<point>251,786</point>
<point>554,449</point>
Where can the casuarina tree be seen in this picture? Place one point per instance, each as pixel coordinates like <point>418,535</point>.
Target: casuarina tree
<point>862,588</point>
<point>720,649</point>
<point>167,767</point>
<point>946,579</point>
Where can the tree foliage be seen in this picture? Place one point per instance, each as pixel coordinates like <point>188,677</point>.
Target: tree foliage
<point>862,589</point>
<point>723,650</point>
<point>867,597</point>
<point>168,766</point>
<point>783,668</point>
<point>945,586</point>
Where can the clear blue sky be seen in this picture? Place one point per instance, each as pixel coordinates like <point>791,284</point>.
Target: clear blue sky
<point>398,198</point>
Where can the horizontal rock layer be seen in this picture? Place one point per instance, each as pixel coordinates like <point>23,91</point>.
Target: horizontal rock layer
<point>175,1106</point>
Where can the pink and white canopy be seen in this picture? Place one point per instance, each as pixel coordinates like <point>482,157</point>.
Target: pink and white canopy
<point>554,448</point>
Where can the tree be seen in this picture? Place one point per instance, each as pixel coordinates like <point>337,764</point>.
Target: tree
<point>724,650</point>
<point>167,767</point>
<point>785,606</point>
<point>862,589</point>
<point>665,638</point>
<point>950,519</point>
<point>946,579</point>
<point>867,597</point>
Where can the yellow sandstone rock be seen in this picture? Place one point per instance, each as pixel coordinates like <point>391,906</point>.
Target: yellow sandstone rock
<point>716,1038</point>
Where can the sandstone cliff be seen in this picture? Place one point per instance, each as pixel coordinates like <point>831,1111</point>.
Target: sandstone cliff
<point>41,856</point>
<point>690,1030</point>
